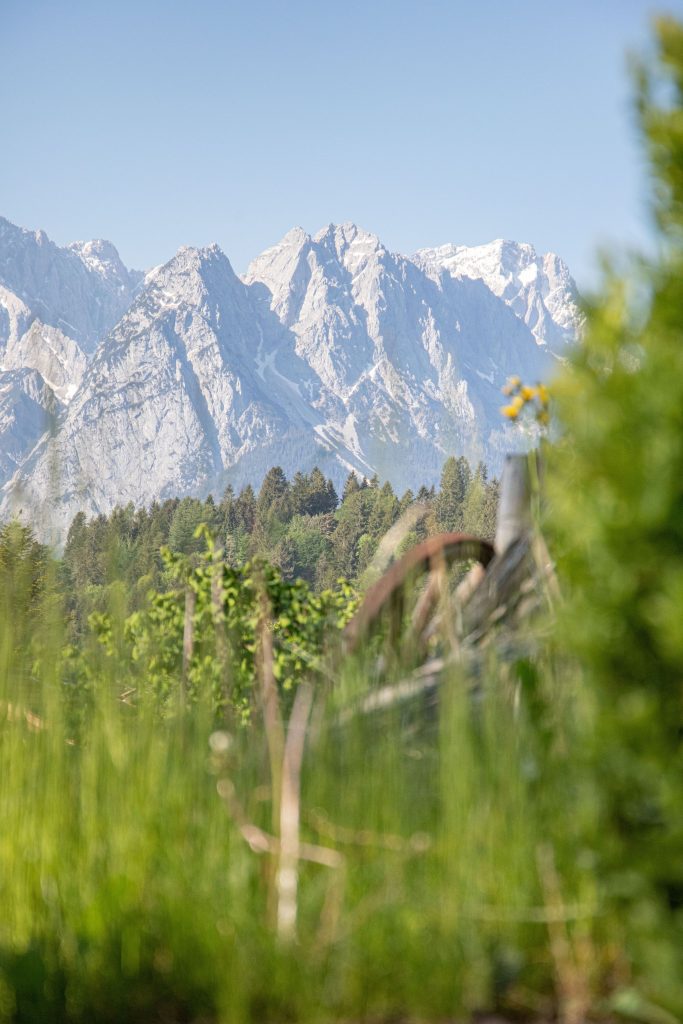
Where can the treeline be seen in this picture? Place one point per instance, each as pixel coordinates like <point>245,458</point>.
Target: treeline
<point>300,526</point>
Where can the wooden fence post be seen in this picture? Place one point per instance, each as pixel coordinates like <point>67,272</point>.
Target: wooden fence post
<point>514,508</point>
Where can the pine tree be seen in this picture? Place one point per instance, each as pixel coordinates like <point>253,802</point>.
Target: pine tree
<point>455,479</point>
<point>351,485</point>
<point>299,492</point>
<point>74,551</point>
<point>24,565</point>
<point>227,514</point>
<point>312,495</point>
<point>384,511</point>
<point>271,497</point>
<point>284,557</point>
<point>245,510</point>
<point>406,501</point>
<point>473,503</point>
<point>187,517</point>
<point>352,519</point>
<point>489,511</point>
<point>322,495</point>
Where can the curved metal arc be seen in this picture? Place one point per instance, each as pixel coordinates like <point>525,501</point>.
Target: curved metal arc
<point>445,547</point>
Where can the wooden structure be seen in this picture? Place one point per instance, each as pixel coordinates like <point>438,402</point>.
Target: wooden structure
<point>511,580</point>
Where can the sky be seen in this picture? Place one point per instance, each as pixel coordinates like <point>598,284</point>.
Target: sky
<point>159,123</point>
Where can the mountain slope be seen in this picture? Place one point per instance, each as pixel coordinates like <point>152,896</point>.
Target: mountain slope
<point>171,396</point>
<point>331,351</point>
<point>27,409</point>
<point>57,303</point>
<point>408,358</point>
<point>539,289</point>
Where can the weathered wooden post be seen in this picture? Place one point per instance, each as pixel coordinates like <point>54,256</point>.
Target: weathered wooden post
<point>510,589</point>
<point>514,508</point>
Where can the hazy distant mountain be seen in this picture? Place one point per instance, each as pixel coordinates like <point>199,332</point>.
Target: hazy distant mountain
<point>331,351</point>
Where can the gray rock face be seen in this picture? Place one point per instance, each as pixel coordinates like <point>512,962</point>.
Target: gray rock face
<point>57,303</point>
<point>28,409</point>
<point>407,359</point>
<point>170,399</point>
<point>55,355</point>
<point>330,351</point>
<point>82,289</point>
<point>539,289</point>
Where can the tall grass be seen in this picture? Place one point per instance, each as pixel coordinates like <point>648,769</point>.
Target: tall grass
<point>440,851</point>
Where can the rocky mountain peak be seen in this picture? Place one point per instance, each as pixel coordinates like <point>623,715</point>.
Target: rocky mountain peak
<point>539,289</point>
<point>329,351</point>
<point>348,242</point>
<point>102,257</point>
<point>80,290</point>
<point>191,276</point>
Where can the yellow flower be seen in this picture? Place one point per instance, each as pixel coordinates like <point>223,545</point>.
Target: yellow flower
<point>523,394</point>
<point>511,385</point>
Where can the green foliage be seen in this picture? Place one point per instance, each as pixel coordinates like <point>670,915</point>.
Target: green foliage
<point>300,527</point>
<point>27,581</point>
<point>273,502</point>
<point>24,567</point>
<point>351,484</point>
<point>312,495</point>
<point>230,606</point>
<point>455,481</point>
<point>183,536</point>
<point>480,505</point>
<point>309,537</point>
<point>132,882</point>
<point>617,512</point>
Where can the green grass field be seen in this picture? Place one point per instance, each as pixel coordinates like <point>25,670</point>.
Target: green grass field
<point>444,867</point>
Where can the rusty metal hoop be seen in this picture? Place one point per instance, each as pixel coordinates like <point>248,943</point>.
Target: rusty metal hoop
<point>436,552</point>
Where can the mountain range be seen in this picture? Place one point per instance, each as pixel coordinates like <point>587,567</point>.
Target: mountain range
<point>119,386</point>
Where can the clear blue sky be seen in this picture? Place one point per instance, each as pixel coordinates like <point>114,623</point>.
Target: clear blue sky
<point>156,123</point>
